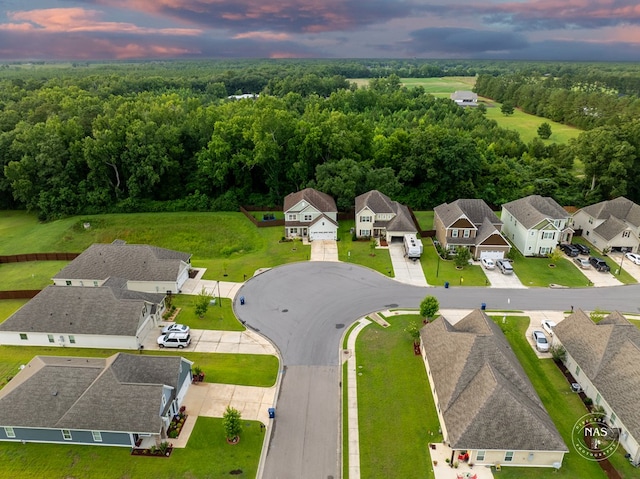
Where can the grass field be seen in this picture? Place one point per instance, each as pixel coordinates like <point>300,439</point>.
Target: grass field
<point>207,456</point>
<point>359,252</point>
<point>10,306</point>
<point>425,219</point>
<point>29,275</point>
<point>440,271</point>
<point>217,317</point>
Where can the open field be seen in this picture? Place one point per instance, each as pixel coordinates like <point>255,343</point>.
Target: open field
<point>29,275</point>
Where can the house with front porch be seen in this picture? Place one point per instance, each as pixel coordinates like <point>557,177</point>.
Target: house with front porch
<point>311,214</point>
<point>603,358</point>
<point>465,98</point>
<point>536,225</point>
<point>612,225</point>
<point>378,216</point>
<point>489,411</point>
<point>470,223</point>
<point>122,400</point>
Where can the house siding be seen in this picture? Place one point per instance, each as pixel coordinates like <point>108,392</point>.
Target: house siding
<point>81,340</point>
<point>520,458</point>
<point>77,437</point>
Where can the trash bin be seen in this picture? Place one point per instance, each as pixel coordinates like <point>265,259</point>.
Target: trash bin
<point>446,284</point>
<point>272,412</point>
<point>483,306</point>
<point>241,299</point>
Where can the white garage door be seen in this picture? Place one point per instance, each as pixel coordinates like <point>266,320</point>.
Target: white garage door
<point>322,235</point>
<point>492,254</point>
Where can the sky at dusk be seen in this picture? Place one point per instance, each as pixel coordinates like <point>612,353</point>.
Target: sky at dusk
<point>577,30</point>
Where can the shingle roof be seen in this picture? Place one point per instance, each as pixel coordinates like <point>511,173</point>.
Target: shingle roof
<point>380,203</point>
<point>89,393</point>
<point>609,354</point>
<point>620,208</point>
<point>132,262</point>
<point>81,310</point>
<point>375,201</point>
<point>402,220</point>
<point>533,209</point>
<point>321,201</point>
<point>610,228</point>
<point>486,399</point>
<point>474,209</point>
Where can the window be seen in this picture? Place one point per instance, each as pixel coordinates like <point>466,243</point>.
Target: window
<point>508,456</point>
<point>308,217</point>
<point>9,432</point>
<point>365,219</point>
<point>51,339</point>
<point>466,233</point>
<point>66,435</point>
<point>548,235</point>
<point>95,283</point>
<point>577,370</point>
<point>97,436</point>
<point>68,282</point>
<point>23,336</point>
<point>365,232</point>
<point>292,217</point>
<point>293,231</point>
<point>480,455</point>
<point>72,339</point>
<point>454,233</point>
<point>612,420</point>
<point>626,234</point>
<point>590,221</point>
<point>598,397</point>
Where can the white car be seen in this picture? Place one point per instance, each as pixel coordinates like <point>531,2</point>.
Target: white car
<point>174,340</point>
<point>175,328</point>
<point>548,326</point>
<point>488,263</point>
<point>504,265</point>
<point>633,257</point>
<point>540,341</point>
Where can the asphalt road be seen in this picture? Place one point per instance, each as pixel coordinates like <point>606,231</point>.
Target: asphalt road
<point>304,308</point>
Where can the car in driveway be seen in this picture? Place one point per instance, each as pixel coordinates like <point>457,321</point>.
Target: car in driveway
<point>570,249</point>
<point>488,263</point>
<point>599,264</point>
<point>582,248</point>
<point>582,263</point>
<point>633,257</point>
<point>504,266</point>
<point>540,341</point>
<point>175,328</point>
<point>548,326</point>
<point>174,340</point>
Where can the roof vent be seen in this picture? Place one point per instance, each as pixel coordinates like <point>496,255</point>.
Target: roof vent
<point>54,393</point>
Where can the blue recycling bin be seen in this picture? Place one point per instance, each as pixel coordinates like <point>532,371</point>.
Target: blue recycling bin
<point>446,284</point>
<point>483,306</point>
<point>272,412</point>
<point>241,299</point>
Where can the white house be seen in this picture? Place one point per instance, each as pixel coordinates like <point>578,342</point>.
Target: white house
<point>104,317</point>
<point>310,214</point>
<point>465,98</point>
<point>536,224</point>
<point>379,216</point>
<point>486,405</point>
<point>604,359</point>
<point>146,268</point>
<point>612,225</point>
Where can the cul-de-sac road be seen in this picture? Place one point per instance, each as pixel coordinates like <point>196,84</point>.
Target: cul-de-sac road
<point>304,308</point>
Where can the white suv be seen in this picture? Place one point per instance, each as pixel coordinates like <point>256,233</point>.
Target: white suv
<point>504,265</point>
<point>174,340</point>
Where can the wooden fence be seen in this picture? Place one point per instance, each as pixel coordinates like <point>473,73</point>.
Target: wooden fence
<point>22,258</point>
<point>260,224</point>
<point>19,294</point>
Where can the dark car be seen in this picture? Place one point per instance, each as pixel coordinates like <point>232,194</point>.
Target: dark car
<point>599,264</point>
<point>570,249</point>
<point>582,248</point>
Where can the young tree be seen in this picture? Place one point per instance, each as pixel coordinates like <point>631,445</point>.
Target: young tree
<point>463,255</point>
<point>507,108</point>
<point>372,246</point>
<point>202,303</point>
<point>544,131</point>
<point>414,331</point>
<point>232,424</point>
<point>429,307</point>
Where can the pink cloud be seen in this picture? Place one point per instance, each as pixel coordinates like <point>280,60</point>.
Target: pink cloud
<point>271,36</point>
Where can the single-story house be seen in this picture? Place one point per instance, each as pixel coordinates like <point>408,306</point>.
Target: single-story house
<point>380,217</point>
<point>310,214</point>
<point>117,401</point>
<point>486,404</point>
<point>610,225</point>
<point>604,359</point>
<point>470,223</point>
<point>465,98</point>
<point>104,317</point>
<point>146,268</point>
<point>536,225</point>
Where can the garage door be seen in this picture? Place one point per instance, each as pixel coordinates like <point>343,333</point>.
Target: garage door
<point>492,254</point>
<point>322,235</point>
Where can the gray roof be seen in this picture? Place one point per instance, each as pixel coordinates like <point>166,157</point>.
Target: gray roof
<point>475,210</point>
<point>609,354</point>
<point>380,203</point>
<point>321,201</point>
<point>82,310</point>
<point>533,209</point>
<point>485,396</point>
<point>620,208</point>
<point>90,393</point>
<point>610,228</point>
<point>375,201</point>
<point>130,261</point>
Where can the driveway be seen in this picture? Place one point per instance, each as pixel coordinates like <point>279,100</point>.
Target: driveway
<point>405,270</point>
<point>324,250</point>
<point>499,280</point>
<point>630,267</point>
<point>597,278</point>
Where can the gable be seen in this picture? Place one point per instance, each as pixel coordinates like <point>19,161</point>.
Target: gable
<point>494,239</point>
<point>462,223</point>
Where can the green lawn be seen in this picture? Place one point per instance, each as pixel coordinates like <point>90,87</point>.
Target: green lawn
<point>217,317</point>
<point>440,271</point>
<point>206,456</point>
<point>10,306</point>
<point>359,252</point>
<point>425,219</point>
<point>537,272</point>
<point>29,275</point>
<point>397,418</point>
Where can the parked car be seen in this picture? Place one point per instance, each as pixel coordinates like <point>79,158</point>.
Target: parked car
<point>548,326</point>
<point>175,328</point>
<point>582,248</point>
<point>488,263</point>
<point>540,340</point>
<point>599,264</point>
<point>174,340</point>
<point>633,257</point>
<point>504,265</point>
<point>582,263</point>
<point>570,249</point>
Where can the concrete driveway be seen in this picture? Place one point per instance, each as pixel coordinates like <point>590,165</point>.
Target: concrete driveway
<point>627,265</point>
<point>405,270</point>
<point>324,250</point>
<point>499,280</point>
<point>597,278</point>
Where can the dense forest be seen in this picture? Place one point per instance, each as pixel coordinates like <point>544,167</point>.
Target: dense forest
<point>93,138</point>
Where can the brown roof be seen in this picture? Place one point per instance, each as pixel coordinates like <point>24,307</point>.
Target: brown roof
<point>321,201</point>
<point>380,203</point>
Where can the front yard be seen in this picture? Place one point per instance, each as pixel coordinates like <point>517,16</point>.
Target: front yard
<point>439,271</point>
<point>359,252</point>
<point>219,316</point>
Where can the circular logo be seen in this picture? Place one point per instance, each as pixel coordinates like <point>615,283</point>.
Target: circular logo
<point>593,438</point>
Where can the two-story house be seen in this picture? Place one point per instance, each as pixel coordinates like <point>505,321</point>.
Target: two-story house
<point>536,225</point>
<point>610,225</point>
<point>310,214</point>
<point>378,216</point>
<point>470,223</point>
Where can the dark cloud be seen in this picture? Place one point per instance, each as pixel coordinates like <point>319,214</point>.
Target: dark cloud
<point>461,41</point>
<point>556,50</point>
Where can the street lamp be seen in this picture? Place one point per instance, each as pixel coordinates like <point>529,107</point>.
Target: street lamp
<point>621,261</point>
<point>438,267</point>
